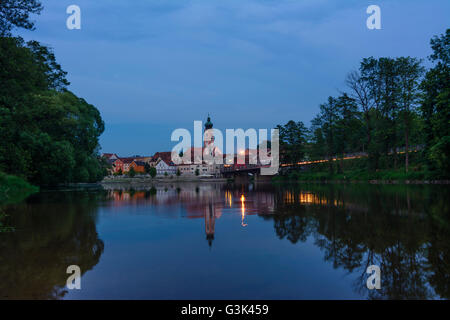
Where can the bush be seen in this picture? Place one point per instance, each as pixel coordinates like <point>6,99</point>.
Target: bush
<point>14,189</point>
<point>152,172</point>
<point>440,156</point>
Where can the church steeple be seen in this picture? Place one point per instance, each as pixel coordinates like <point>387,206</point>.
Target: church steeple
<point>208,123</point>
<point>209,137</point>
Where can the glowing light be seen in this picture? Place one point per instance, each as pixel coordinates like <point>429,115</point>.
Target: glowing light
<point>243,211</point>
<point>242,152</point>
<point>228,198</point>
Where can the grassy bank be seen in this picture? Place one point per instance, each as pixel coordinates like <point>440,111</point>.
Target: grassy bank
<point>358,175</point>
<point>14,189</point>
<point>168,179</point>
<point>357,170</point>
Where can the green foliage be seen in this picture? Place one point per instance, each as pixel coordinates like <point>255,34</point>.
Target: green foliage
<point>131,172</point>
<point>436,106</point>
<point>152,172</point>
<point>197,172</point>
<point>440,155</point>
<point>14,189</point>
<point>356,170</point>
<point>48,134</point>
<point>178,172</point>
<point>16,14</point>
<point>389,108</point>
<point>292,137</point>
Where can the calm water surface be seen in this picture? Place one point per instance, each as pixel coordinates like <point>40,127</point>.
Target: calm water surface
<point>213,241</point>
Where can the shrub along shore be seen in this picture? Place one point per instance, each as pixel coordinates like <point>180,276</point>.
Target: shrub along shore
<point>14,189</point>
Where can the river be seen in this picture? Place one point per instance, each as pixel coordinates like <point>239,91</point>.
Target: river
<point>219,241</point>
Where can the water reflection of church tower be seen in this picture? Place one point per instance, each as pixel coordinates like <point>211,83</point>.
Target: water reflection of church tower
<point>210,220</point>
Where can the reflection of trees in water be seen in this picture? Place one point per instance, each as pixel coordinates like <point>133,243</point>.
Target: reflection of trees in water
<point>404,230</point>
<point>53,231</point>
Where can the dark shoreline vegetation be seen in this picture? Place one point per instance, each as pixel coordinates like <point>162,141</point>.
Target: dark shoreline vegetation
<point>14,189</point>
<point>355,170</point>
<point>392,124</point>
<point>48,135</point>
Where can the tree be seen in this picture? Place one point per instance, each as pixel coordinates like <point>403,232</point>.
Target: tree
<point>386,91</point>
<point>347,127</point>
<point>197,172</point>
<point>378,74</point>
<point>435,106</point>
<point>16,14</point>
<point>152,172</point>
<point>131,172</point>
<point>328,118</point>
<point>178,172</point>
<point>48,134</point>
<point>292,139</point>
<point>361,95</point>
<point>409,73</point>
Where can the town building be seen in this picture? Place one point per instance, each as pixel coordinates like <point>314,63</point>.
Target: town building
<point>164,164</point>
<point>195,163</point>
<point>138,166</point>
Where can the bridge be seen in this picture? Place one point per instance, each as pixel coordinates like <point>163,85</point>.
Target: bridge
<point>349,156</point>
<point>246,169</point>
<point>241,169</point>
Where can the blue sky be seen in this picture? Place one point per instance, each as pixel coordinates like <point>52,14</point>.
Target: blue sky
<point>151,66</point>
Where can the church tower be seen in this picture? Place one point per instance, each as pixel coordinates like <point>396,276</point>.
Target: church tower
<point>209,136</point>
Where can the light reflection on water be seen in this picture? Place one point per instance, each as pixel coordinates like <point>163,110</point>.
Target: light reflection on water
<point>214,241</point>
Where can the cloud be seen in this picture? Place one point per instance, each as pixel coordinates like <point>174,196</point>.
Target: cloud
<point>255,62</point>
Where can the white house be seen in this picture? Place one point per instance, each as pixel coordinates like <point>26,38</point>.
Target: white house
<point>162,168</point>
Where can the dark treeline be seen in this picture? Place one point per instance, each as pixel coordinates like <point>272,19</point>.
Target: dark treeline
<point>392,106</point>
<point>47,134</point>
<point>403,229</point>
<point>34,258</point>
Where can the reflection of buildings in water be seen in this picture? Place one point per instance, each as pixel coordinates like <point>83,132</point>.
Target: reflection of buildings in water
<point>228,199</point>
<point>193,197</point>
<point>205,201</point>
<point>290,197</point>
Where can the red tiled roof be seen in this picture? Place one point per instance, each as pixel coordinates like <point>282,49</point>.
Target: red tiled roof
<point>139,163</point>
<point>164,156</point>
<point>108,155</point>
<point>127,160</point>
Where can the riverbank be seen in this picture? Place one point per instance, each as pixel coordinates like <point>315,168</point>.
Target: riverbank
<point>362,176</point>
<point>443,182</point>
<point>14,189</point>
<point>169,179</point>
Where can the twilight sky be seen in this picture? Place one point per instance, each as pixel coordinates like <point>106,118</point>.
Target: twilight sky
<point>151,66</point>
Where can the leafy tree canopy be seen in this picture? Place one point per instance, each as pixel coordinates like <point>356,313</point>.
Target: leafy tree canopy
<point>16,14</point>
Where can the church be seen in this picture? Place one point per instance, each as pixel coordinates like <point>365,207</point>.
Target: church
<point>201,167</point>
